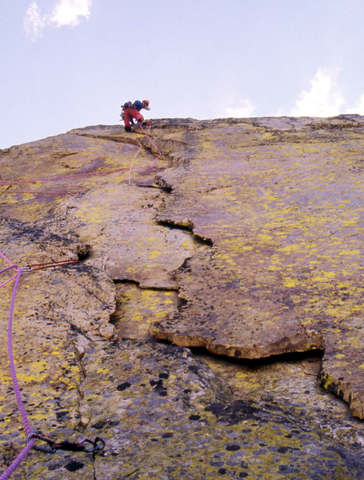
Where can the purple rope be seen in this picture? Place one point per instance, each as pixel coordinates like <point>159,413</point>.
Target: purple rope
<point>88,174</point>
<point>23,412</point>
<point>18,460</point>
<point>7,268</point>
<point>8,261</point>
<point>10,279</point>
<point>11,358</point>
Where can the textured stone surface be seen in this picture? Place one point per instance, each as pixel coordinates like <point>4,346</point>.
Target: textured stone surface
<point>238,246</point>
<point>169,416</point>
<point>283,210</point>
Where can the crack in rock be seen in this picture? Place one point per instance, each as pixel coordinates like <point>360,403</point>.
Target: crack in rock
<point>254,252</point>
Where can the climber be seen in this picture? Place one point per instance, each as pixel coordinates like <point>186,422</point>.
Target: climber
<point>131,112</point>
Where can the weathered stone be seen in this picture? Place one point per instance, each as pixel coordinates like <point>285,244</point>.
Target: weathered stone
<point>164,254</point>
<point>283,211</point>
<point>162,412</point>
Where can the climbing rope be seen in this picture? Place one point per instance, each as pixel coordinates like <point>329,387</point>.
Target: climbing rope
<point>10,279</point>
<point>98,444</point>
<point>6,259</point>
<point>84,445</point>
<point>23,412</point>
<point>60,192</point>
<point>104,172</point>
<point>140,146</point>
<point>46,179</point>
<point>151,141</point>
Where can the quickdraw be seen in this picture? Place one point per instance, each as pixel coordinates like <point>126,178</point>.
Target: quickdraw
<point>41,266</point>
<point>96,446</point>
<point>84,445</point>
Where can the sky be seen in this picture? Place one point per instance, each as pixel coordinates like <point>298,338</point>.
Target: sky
<point>68,64</point>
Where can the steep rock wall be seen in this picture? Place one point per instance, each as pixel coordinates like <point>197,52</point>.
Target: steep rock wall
<point>246,240</point>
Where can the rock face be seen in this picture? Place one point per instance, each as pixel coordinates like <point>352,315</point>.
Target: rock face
<point>281,202</point>
<point>244,241</point>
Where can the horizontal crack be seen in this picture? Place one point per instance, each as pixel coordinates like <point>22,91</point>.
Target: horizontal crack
<point>127,281</point>
<point>172,150</point>
<point>187,226</point>
<point>184,226</point>
<point>284,357</point>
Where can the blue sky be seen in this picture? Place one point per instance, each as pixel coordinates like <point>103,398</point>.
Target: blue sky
<point>71,63</point>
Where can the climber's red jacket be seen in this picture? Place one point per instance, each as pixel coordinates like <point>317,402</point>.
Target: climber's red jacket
<point>131,113</point>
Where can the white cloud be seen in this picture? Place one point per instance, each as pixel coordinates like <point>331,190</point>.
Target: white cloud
<point>65,12</point>
<point>70,12</point>
<point>324,99</point>
<point>243,111</point>
<point>34,22</point>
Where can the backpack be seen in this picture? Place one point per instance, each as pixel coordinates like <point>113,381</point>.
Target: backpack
<point>126,105</point>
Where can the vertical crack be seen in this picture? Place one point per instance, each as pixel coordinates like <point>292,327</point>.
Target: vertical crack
<point>83,413</point>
